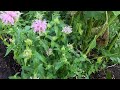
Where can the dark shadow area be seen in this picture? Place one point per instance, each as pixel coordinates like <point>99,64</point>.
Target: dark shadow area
<point>8,65</point>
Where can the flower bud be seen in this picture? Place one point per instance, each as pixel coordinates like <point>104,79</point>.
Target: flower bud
<point>63,48</point>
<point>48,25</point>
<point>28,42</point>
<point>70,46</point>
<point>56,20</point>
<point>27,53</point>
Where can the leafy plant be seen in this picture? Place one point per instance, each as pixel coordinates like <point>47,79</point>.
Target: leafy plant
<point>62,44</point>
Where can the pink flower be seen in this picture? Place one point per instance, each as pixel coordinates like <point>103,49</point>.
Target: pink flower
<point>6,19</point>
<point>39,25</point>
<point>67,29</point>
<point>9,17</point>
<point>11,13</point>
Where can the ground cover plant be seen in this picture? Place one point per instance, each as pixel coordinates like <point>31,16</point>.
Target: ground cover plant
<point>61,44</point>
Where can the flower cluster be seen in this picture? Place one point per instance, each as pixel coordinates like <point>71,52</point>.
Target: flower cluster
<point>9,17</point>
<point>39,25</point>
<point>49,52</point>
<point>67,29</point>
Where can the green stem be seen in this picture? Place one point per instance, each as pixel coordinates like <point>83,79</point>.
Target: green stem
<point>89,27</point>
<point>112,19</point>
<point>114,41</point>
<point>105,26</point>
<point>72,20</point>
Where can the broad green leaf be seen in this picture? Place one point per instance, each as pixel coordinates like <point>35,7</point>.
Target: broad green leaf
<point>93,14</point>
<point>44,44</point>
<point>115,59</point>
<point>27,28</point>
<point>40,57</point>
<point>107,53</point>
<point>116,13</point>
<point>92,45</point>
<point>41,72</point>
<point>58,65</point>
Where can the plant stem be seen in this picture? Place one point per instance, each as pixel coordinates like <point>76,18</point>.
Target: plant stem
<point>104,27</point>
<point>89,27</point>
<point>72,20</point>
<point>112,19</point>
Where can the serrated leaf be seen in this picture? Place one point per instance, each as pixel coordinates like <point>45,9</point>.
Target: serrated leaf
<point>91,70</point>
<point>9,48</point>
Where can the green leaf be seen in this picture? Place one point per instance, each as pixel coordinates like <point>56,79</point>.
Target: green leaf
<point>92,45</point>
<point>108,75</point>
<point>27,68</point>
<point>93,14</point>
<point>116,13</point>
<point>115,59</point>
<point>91,70</point>
<point>79,26</point>
<point>41,57</point>
<point>44,44</point>
<point>56,30</point>
<point>58,65</point>
<point>41,72</point>
<point>107,53</point>
<point>27,28</point>
<point>99,59</point>
<point>9,48</point>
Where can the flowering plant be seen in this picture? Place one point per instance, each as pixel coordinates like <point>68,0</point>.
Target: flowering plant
<point>48,47</point>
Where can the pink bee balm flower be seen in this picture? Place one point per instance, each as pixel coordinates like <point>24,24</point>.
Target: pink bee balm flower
<point>6,19</point>
<point>39,25</point>
<point>11,13</point>
<point>9,17</point>
<point>67,29</point>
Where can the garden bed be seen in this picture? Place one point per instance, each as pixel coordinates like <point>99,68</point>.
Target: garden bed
<point>59,44</point>
<point>8,66</point>
<point>112,72</point>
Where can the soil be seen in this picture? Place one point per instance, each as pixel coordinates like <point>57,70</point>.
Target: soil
<point>8,66</point>
<point>111,72</point>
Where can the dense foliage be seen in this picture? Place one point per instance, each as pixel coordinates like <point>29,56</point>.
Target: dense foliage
<point>61,44</point>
